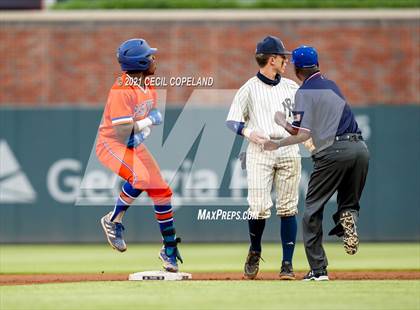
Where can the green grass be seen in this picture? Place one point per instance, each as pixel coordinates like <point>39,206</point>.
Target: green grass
<point>214,295</point>
<point>232,4</point>
<point>205,294</point>
<point>197,257</point>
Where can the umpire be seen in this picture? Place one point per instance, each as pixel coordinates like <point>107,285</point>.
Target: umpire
<point>340,158</point>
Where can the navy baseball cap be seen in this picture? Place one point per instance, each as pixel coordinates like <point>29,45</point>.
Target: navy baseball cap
<point>305,57</point>
<point>271,45</point>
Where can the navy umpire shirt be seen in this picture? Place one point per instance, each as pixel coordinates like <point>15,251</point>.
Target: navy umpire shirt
<point>321,108</point>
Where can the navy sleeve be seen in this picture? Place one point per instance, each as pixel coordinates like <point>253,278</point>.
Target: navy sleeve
<point>236,127</point>
<point>302,114</point>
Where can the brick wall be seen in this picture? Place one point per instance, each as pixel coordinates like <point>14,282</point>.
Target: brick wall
<point>74,63</point>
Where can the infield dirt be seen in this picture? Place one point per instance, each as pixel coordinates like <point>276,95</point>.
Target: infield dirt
<point>20,279</point>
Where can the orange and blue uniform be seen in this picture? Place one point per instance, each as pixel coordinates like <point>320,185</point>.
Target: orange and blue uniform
<point>127,104</point>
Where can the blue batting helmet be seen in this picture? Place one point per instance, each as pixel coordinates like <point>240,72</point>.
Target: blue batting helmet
<point>305,57</point>
<point>133,55</point>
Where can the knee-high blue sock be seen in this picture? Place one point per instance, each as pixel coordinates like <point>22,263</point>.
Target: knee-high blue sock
<point>288,233</point>
<point>256,229</point>
<point>126,197</point>
<point>164,217</point>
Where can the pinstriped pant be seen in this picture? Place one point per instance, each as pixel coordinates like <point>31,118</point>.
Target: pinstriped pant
<point>266,170</point>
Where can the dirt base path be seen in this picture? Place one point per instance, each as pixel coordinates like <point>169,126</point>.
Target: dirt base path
<point>16,279</point>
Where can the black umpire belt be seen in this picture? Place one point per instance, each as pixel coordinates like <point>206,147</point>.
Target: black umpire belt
<point>349,137</point>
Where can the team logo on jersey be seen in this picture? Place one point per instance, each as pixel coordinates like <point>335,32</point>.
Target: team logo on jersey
<point>288,105</point>
<point>143,108</point>
<point>14,185</point>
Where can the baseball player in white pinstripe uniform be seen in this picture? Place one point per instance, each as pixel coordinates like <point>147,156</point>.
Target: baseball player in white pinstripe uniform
<point>252,115</point>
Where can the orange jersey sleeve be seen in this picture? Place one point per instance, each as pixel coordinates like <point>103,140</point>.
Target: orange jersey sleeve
<point>120,106</point>
<point>126,104</point>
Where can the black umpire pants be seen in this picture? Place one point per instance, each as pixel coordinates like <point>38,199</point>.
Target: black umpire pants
<point>341,167</point>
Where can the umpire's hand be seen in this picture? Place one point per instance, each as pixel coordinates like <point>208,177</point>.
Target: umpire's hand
<point>271,144</point>
<point>280,119</point>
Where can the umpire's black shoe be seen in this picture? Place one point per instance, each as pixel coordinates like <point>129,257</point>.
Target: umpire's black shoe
<point>286,272</point>
<point>252,264</point>
<point>350,237</point>
<point>316,275</point>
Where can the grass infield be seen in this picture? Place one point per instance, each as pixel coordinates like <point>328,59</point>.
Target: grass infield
<point>30,259</point>
<point>214,295</point>
<point>367,294</point>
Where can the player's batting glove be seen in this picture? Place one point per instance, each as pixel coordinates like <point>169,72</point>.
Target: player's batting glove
<point>139,137</point>
<point>280,119</point>
<point>155,117</point>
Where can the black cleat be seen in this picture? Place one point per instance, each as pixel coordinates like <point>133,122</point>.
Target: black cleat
<point>350,237</point>
<point>286,272</point>
<point>316,275</point>
<point>252,264</point>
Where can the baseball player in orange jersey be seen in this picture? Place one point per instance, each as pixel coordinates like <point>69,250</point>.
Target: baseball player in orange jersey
<point>129,114</point>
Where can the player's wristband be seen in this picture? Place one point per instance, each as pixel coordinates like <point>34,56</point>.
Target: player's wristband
<point>143,123</point>
<point>155,116</point>
<point>247,132</point>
